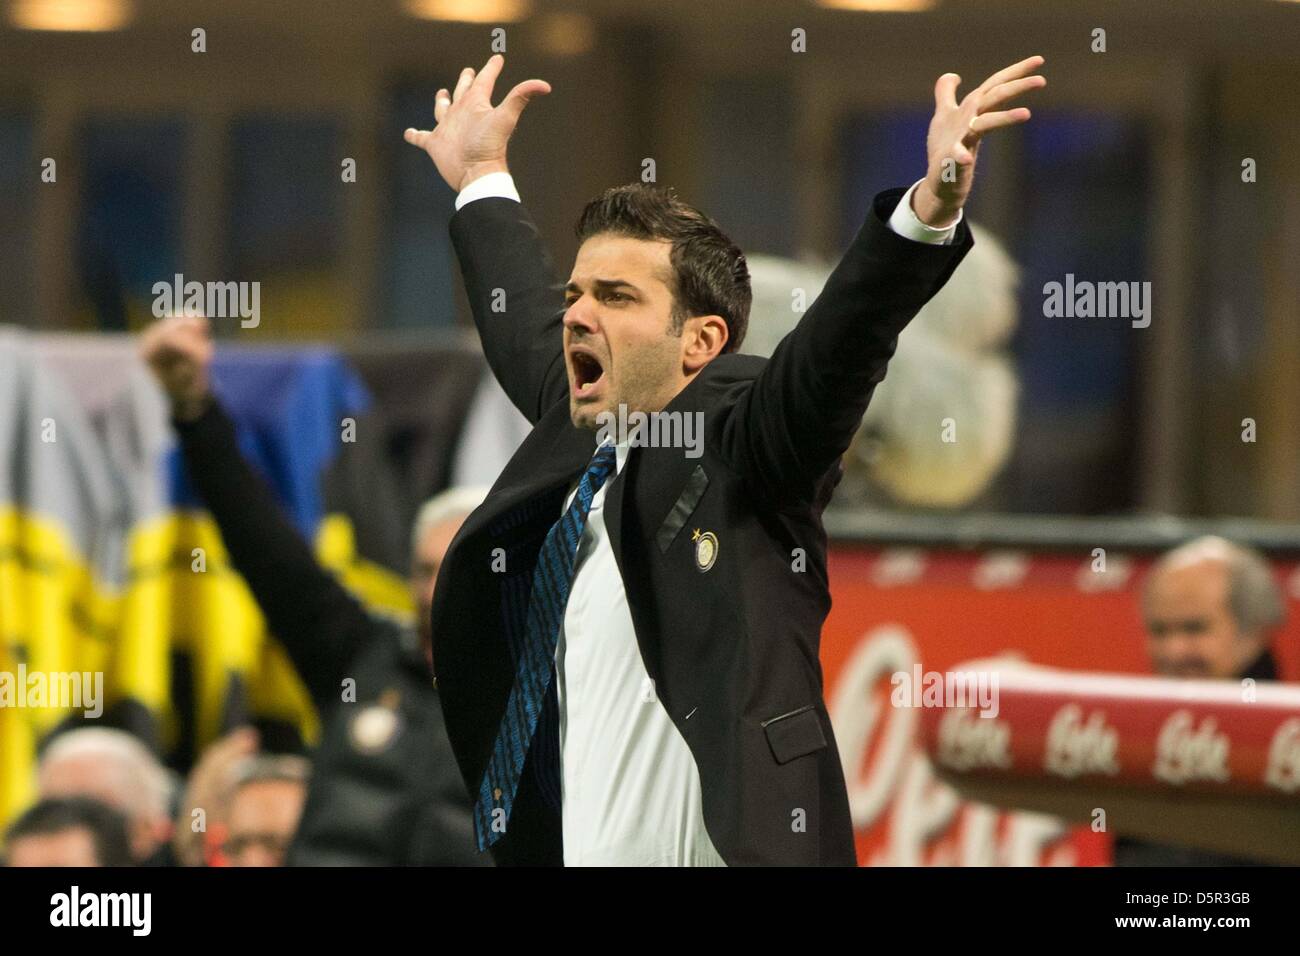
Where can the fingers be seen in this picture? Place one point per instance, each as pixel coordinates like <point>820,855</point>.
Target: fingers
<point>1004,92</point>
<point>478,87</point>
<point>487,77</point>
<point>196,327</point>
<point>187,333</point>
<point>996,120</point>
<point>970,109</point>
<point>464,83</point>
<point>518,97</point>
<point>442,102</point>
<point>1013,72</point>
<point>172,327</point>
<point>945,91</point>
<point>417,137</point>
<point>239,743</point>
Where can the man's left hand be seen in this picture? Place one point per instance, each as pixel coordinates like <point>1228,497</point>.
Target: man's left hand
<point>955,133</point>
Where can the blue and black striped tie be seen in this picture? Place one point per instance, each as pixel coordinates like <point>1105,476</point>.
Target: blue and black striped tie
<point>535,666</point>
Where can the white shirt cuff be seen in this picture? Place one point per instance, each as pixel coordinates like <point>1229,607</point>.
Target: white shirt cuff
<point>907,224</point>
<point>501,185</point>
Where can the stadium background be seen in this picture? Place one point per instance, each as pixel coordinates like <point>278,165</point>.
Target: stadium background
<point>226,165</point>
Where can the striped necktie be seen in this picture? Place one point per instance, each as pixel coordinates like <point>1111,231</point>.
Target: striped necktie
<point>535,666</point>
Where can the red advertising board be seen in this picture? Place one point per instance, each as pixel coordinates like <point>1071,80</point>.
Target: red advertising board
<point>894,609</point>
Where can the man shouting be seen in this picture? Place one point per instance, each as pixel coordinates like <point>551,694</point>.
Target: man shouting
<point>627,633</point>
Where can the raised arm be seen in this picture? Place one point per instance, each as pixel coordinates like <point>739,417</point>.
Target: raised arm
<point>319,623</point>
<point>513,290</point>
<point>516,300</point>
<point>807,403</point>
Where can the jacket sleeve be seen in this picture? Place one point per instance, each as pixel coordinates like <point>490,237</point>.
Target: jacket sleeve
<point>319,623</point>
<point>516,298</point>
<point>792,425</point>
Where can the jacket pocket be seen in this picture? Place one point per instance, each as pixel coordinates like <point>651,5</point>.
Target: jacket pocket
<point>795,734</point>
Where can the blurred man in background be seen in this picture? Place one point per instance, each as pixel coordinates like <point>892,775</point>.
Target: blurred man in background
<point>265,804</point>
<point>1211,610</point>
<point>385,789</point>
<point>203,816</point>
<point>118,770</point>
<point>69,831</point>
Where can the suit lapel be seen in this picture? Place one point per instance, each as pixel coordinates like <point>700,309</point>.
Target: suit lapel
<point>663,482</point>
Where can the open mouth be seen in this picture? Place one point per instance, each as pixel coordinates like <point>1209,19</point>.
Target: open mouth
<point>587,372</point>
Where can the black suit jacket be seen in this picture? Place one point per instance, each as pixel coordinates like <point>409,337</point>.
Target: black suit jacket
<point>732,650</point>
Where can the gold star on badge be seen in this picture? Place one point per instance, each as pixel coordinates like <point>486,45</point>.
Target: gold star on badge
<point>695,535</point>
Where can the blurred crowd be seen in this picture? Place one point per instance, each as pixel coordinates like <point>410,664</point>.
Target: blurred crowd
<point>107,801</point>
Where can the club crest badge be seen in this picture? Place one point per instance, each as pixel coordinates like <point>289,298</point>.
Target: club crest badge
<point>706,549</point>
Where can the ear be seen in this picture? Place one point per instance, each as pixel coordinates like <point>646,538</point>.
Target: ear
<point>704,339</point>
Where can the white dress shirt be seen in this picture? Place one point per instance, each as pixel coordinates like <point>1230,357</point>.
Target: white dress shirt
<point>629,786</point>
<point>630,789</point>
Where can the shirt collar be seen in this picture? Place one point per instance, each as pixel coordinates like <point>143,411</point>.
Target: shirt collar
<point>621,451</point>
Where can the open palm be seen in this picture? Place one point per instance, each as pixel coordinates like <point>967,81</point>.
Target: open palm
<point>471,136</point>
<point>956,130</point>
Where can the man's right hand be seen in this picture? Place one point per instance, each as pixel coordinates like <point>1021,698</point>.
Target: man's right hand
<point>471,136</point>
<point>179,351</point>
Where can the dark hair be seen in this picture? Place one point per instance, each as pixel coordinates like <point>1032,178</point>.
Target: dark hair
<point>710,276</point>
<point>107,827</point>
